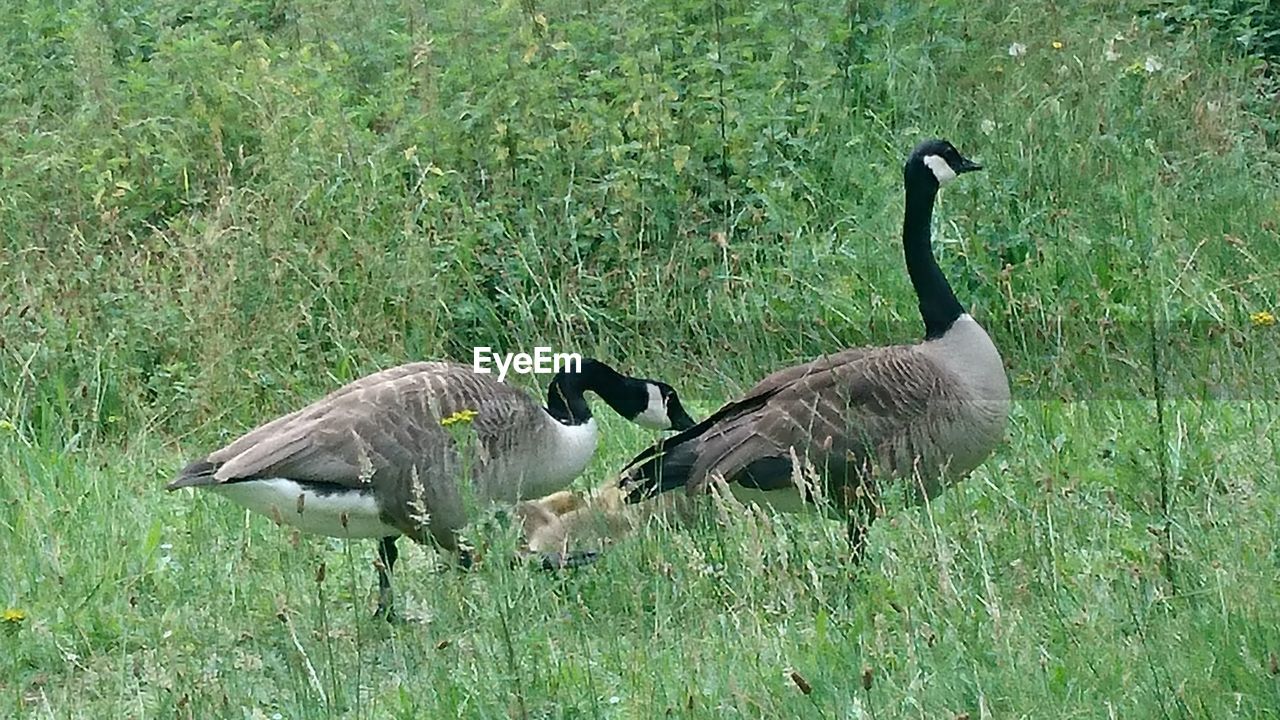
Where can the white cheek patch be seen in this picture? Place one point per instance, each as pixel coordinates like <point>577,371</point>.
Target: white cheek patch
<point>654,416</point>
<point>941,170</point>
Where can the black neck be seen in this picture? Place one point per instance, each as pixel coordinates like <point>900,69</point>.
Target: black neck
<point>565,400</point>
<point>938,305</point>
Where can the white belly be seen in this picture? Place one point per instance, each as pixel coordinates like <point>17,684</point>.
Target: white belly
<point>311,512</point>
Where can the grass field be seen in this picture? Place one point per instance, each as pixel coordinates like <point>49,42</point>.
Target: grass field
<point>213,212</point>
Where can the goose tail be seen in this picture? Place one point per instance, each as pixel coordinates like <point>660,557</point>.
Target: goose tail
<point>657,474</point>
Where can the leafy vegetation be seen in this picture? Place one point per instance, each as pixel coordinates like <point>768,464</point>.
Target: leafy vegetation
<point>212,212</point>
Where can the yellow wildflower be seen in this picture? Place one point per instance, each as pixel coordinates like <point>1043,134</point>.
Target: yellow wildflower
<point>6,426</point>
<point>1057,44</point>
<point>462,416</point>
<point>13,616</point>
<point>1262,318</point>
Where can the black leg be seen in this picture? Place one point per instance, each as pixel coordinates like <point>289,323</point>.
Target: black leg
<point>387,554</point>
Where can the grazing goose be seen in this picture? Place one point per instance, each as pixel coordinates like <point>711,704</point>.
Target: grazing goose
<point>930,411</point>
<point>375,459</point>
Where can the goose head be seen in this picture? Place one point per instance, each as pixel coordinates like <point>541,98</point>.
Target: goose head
<point>655,405</point>
<point>651,404</point>
<point>937,162</point>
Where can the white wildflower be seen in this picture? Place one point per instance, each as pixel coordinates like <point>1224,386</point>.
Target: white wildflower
<point>1017,50</point>
<point>987,127</point>
<point>1153,64</point>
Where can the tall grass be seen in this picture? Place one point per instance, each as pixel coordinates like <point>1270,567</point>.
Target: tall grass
<point>213,212</point>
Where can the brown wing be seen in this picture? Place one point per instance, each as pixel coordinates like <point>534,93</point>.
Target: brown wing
<point>839,413</point>
<point>750,401</point>
<point>322,406</point>
<point>384,423</point>
<point>790,375</point>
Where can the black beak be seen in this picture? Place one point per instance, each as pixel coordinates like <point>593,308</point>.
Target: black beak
<point>680,419</point>
<point>967,165</point>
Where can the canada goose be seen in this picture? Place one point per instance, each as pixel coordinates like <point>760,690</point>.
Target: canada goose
<point>930,411</point>
<point>375,460</point>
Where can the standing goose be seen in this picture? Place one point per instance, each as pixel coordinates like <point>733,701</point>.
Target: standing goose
<point>930,412</point>
<point>375,459</point>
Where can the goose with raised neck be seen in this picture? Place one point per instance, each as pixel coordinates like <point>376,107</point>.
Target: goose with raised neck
<point>925,413</point>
